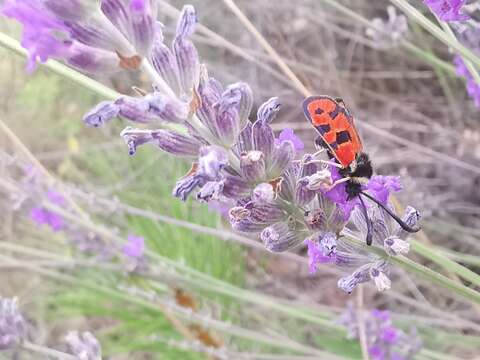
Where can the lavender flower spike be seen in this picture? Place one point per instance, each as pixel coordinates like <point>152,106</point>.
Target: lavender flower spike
<point>12,324</point>
<point>84,346</point>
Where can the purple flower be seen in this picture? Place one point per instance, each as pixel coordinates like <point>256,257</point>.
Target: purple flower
<point>280,237</point>
<point>39,28</point>
<point>77,32</point>
<point>287,134</point>
<point>55,198</point>
<point>384,340</point>
<point>43,216</point>
<point>380,187</point>
<point>473,89</point>
<point>376,352</point>
<point>135,247</point>
<point>321,250</point>
<point>12,324</point>
<point>447,10</point>
<point>83,345</point>
<point>389,335</point>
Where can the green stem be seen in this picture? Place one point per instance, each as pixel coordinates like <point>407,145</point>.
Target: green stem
<point>47,352</point>
<point>419,18</point>
<point>63,70</point>
<point>423,271</point>
<point>445,262</point>
<point>420,53</point>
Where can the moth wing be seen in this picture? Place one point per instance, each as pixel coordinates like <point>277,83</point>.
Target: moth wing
<point>317,110</point>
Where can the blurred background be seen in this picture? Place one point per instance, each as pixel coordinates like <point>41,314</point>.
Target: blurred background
<point>416,120</point>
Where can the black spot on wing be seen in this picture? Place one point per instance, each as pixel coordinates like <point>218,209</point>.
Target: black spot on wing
<point>333,114</point>
<point>325,128</point>
<point>343,137</point>
<point>319,111</point>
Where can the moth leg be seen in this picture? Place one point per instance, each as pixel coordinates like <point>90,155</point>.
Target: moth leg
<point>337,182</point>
<point>326,162</point>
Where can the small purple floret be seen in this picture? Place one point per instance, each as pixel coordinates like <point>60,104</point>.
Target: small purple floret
<point>288,135</point>
<point>135,247</point>
<point>447,10</point>
<point>473,89</point>
<point>39,27</point>
<point>43,216</point>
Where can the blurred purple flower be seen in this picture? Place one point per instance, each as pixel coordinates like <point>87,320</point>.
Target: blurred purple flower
<point>39,27</point>
<point>288,134</point>
<point>43,216</point>
<point>55,198</point>
<point>447,10</point>
<point>12,324</point>
<point>473,89</point>
<point>384,340</point>
<point>83,346</point>
<point>321,250</point>
<point>135,247</point>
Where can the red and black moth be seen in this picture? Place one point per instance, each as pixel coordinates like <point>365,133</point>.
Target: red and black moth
<point>338,135</point>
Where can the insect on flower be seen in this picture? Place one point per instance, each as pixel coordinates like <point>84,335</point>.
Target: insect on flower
<point>339,137</point>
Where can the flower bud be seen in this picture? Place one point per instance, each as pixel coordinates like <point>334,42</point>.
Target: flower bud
<point>143,15</point>
<point>240,220</point>
<point>396,246</point>
<point>382,282</point>
<point>165,64</point>
<point>279,237</point>
<point>268,110</point>
<point>280,159</point>
<point>227,123</point>
<point>252,165</point>
<point>361,275</point>
<point>211,161</point>
<point>235,187</point>
<point>321,180</point>
<point>184,187</point>
<point>321,249</point>
<point>151,108</point>
<point>303,195</point>
<point>91,60</point>
<point>263,194</point>
<point>185,52</point>
<point>210,191</point>
<point>210,92</point>
<point>167,140</point>
<point>245,102</point>
<point>102,113</point>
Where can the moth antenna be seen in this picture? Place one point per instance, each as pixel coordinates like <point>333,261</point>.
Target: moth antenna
<point>369,222</point>
<point>400,222</point>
